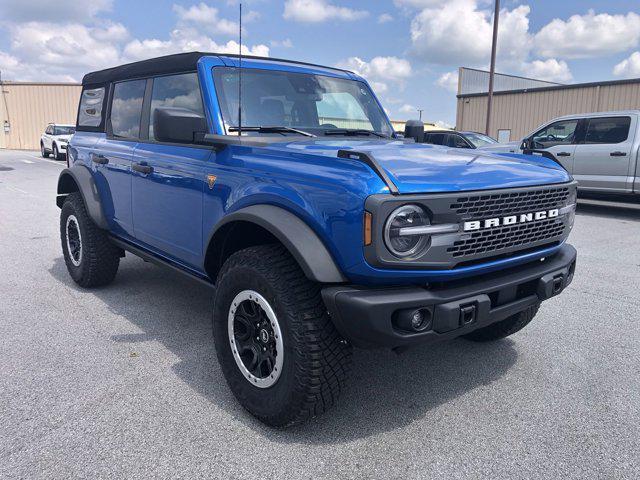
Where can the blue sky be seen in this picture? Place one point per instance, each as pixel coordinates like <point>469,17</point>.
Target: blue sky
<point>408,49</point>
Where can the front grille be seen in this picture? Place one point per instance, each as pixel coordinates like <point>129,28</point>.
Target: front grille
<point>504,204</point>
<point>507,237</point>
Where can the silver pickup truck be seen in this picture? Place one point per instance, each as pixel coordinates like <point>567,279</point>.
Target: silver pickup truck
<point>600,149</point>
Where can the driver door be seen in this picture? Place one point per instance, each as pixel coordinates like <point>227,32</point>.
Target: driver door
<point>559,140</point>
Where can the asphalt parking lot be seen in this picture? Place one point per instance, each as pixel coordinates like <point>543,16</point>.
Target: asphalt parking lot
<point>123,381</point>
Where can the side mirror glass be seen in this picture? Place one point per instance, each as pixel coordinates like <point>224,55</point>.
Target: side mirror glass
<point>177,125</point>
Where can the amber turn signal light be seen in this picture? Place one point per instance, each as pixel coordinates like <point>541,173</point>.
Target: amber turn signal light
<point>367,228</point>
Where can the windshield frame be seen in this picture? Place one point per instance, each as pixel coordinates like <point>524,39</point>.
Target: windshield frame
<point>386,129</point>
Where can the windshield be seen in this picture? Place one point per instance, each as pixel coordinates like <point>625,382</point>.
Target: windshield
<point>64,130</point>
<point>313,103</point>
<point>479,140</point>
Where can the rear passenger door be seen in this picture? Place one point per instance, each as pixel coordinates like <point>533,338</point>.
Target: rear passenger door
<point>167,197</point>
<point>603,158</point>
<point>111,157</point>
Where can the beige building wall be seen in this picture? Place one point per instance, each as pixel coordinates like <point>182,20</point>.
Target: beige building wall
<point>26,109</point>
<point>522,111</point>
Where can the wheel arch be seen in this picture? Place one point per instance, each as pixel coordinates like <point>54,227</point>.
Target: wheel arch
<point>79,179</point>
<point>261,224</point>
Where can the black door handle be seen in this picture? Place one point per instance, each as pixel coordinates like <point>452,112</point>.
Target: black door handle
<point>142,168</point>
<point>98,158</point>
<point>564,154</point>
<point>618,154</point>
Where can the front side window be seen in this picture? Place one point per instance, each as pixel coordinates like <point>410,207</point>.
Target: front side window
<point>456,141</point>
<point>313,103</point>
<point>177,91</point>
<point>126,108</point>
<point>90,113</point>
<point>607,130</point>
<point>559,133</point>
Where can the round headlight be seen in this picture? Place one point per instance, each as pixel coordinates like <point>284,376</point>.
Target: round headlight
<point>406,245</point>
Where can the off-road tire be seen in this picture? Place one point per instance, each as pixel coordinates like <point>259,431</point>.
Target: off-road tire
<point>316,359</point>
<point>505,327</point>
<point>100,258</point>
<point>43,151</point>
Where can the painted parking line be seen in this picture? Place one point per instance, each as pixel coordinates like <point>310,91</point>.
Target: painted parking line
<point>28,161</point>
<point>60,163</point>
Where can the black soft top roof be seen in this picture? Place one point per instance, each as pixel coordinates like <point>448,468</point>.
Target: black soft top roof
<point>179,62</point>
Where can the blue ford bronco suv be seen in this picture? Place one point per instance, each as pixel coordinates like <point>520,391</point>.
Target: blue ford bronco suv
<point>283,185</point>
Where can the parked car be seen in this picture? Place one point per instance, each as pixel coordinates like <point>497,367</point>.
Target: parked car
<point>318,237</point>
<point>458,139</point>
<point>600,149</point>
<point>55,139</point>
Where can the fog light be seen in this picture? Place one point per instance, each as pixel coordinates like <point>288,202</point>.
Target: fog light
<point>414,320</point>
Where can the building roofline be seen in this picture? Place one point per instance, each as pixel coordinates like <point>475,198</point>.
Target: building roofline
<point>513,76</point>
<point>556,87</point>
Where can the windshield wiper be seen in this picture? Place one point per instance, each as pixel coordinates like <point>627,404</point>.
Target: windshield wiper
<point>282,130</point>
<point>354,132</point>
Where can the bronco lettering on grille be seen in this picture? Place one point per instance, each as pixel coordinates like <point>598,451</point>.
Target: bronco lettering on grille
<point>510,220</point>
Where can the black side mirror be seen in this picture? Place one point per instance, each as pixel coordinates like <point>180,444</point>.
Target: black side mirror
<point>177,125</point>
<point>414,129</point>
<point>525,144</point>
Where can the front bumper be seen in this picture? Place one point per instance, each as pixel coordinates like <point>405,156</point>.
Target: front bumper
<point>364,316</point>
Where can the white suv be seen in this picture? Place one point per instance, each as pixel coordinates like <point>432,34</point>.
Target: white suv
<point>54,140</point>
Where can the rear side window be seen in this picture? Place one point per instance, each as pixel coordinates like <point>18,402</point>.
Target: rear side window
<point>91,102</point>
<point>126,108</point>
<point>437,138</point>
<point>607,130</point>
<point>177,91</point>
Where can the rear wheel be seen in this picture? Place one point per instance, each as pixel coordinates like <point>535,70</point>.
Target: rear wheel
<point>506,327</point>
<point>91,259</point>
<point>277,347</point>
<point>43,151</point>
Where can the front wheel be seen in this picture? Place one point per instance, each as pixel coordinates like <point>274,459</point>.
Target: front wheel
<point>277,347</point>
<point>56,153</point>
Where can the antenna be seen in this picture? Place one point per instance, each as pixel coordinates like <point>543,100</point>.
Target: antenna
<point>240,77</point>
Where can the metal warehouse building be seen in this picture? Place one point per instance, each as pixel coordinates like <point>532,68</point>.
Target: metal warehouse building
<point>521,104</point>
<point>26,108</point>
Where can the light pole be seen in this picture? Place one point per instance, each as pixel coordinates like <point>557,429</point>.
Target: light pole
<point>420,110</point>
<point>492,70</point>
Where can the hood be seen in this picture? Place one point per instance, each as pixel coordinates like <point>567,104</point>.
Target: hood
<point>64,138</point>
<point>424,168</point>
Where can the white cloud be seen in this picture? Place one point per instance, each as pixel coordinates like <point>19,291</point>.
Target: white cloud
<point>449,81</point>
<point>316,11</point>
<point>590,35</point>
<point>442,124</point>
<point>384,18</point>
<point>185,41</point>
<point>47,11</point>
<point>459,33</point>
<point>629,67</point>
<point>379,71</point>
<point>48,51</point>
<point>286,43</point>
<point>551,70</point>
<point>406,108</point>
<point>206,17</point>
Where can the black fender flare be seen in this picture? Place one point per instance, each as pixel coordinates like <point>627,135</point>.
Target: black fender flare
<point>299,239</point>
<point>81,176</point>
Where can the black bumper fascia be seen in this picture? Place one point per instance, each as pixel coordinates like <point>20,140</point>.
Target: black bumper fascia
<point>364,316</point>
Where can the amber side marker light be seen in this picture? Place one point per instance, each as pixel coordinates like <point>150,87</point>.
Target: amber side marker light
<point>367,228</point>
